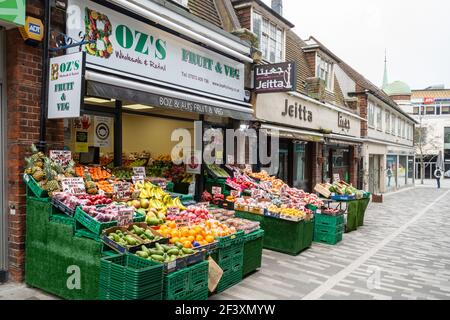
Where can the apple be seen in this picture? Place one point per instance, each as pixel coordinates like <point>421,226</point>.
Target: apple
<point>136,204</point>
<point>144,203</point>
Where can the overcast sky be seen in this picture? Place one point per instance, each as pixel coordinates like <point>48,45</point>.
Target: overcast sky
<point>416,35</point>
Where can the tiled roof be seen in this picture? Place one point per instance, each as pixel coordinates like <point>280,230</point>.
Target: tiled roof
<point>295,53</point>
<point>205,9</point>
<point>437,94</point>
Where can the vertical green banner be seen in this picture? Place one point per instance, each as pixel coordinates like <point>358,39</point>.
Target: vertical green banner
<point>12,11</point>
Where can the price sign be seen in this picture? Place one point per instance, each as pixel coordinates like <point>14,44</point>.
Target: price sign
<point>336,177</point>
<point>122,189</point>
<point>139,171</point>
<point>61,157</point>
<point>173,211</point>
<point>256,193</point>
<point>216,190</point>
<point>73,185</point>
<point>138,178</point>
<point>235,193</point>
<point>125,216</point>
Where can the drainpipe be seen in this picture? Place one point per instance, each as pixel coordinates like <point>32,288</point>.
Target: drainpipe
<point>44,90</point>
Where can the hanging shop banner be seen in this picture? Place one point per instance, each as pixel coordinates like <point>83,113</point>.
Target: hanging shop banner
<point>81,141</point>
<point>73,185</point>
<point>12,12</point>
<point>193,163</point>
<point>61,157</point>
<point>128,46</point>
<point>103,134</point>
<point>65,89</point>
<point>275,77</point>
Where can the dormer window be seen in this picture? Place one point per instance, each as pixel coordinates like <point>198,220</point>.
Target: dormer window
<point>270,38</point>
<point>324,71</point>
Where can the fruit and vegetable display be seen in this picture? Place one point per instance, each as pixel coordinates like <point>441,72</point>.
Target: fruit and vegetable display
<point>227,217</point>
<point>338,188</point>
<point>46,172</point>
<point>108,213</point>
<point>123,238</point>
<point>164,253</point>
<point>122,173</point>
<point>73,201</point>
<point>240,183</point>
<point>217,171</point>
<point>331,211</point>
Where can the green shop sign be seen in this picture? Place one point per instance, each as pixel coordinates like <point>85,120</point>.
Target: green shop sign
<point>12,12</point>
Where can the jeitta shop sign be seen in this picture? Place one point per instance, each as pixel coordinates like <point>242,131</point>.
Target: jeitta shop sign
<point>128,46</point>
<point>66,86</point>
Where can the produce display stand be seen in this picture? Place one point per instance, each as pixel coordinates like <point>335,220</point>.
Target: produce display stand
<point>253,245</point>
<point>290,237</point>
<point>354,209</point>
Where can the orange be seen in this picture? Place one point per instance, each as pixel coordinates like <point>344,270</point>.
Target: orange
<point>191,238</point>
<point>172,225</point>
<point>192,232</point>
<point>183,239</point>
<point>174,240</point>
<point>199,238</point>
<point>187,244</point>
<point>209,239</point>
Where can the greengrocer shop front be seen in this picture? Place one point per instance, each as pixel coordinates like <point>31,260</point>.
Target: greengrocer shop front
<point>148,82</point>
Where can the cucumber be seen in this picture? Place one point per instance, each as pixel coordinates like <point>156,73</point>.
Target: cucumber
<point>157,257</point>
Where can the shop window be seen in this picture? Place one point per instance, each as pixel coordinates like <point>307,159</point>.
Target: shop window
<point>393,123</point>
<point>445,110</point>
<point>388,121</point>
<point>270,38</point>
<point>399,127</point>
<point>371,114</point>
<point>391,172</point>
<point>429,110</point>
<point>415,110</point>
<point>379,113</point>
<point>324,70</point>
<point>403,129</point>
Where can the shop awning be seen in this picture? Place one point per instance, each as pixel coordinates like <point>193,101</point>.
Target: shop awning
<point>290,133</point>
<point>114,87</point>
<point>341,139</point>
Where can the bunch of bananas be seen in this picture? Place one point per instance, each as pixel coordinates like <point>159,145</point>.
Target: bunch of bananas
<point>158,198</point>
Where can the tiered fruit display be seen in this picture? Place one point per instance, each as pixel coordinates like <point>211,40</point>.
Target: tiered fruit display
<point>97,173</point>
<point>164,253</point>
<point>123,173</point>
<point>240,183</point>
<point>89,184</point>
<point>263,175</point>
<point>154,201</point>
<point>122,238</point>
<point>73,201</point>
<point>218,171</point>
<point>105,186</point>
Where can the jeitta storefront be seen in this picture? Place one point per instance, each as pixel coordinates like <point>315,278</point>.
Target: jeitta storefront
<point>318,141</point>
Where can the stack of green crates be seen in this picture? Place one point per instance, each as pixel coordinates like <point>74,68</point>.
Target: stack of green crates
<point>189,283</point>
<point>217,182</point>
<point>328,229</point>
<point>230,258</point>
<point>129,277</point>
<point>253,245</point>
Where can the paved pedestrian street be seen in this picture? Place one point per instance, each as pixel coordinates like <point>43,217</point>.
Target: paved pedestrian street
<point>402,252</point>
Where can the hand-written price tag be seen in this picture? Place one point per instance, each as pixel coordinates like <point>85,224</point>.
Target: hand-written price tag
<point>125,216</point>
<point>235,193</point>
<point>216,190</point>
<point>138,178</point>
<point>122,189</point>
<point>139,171</point>
<point>73,185</point>
<point>61,157</point>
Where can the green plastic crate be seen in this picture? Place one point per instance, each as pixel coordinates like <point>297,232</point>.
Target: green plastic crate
<point>229,279</point>
<point>362,207</point>
<point>328,220</point>
<point>232,239</point>
<point>85,233</point>
<point>132,268</point>
<point>176,284</point>
<point>209,183</point>
<point>253,247</point>
<point>33,187</point>
<point>330,229</point>
<point>90,223</point>
<point>198,276</point>
<point>231,251</point>
<point>328,238</point>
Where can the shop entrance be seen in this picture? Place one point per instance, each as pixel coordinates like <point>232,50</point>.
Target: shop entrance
<point>337,163</point>
<point>374,173</point>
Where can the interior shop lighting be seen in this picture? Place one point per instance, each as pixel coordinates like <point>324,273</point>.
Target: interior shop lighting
<point>137,107</point>
<point>98,100</point>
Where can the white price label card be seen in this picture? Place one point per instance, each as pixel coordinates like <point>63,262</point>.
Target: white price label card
<point>73,185</point>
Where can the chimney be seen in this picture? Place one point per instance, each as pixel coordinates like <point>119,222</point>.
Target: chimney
<point>277,6</point>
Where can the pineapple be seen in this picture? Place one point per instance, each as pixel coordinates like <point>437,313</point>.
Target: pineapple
<point>29,166</point>
<point>90,186</point>
<point>70,170</point>
<point>39,175</point>
<point>52,184</point>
